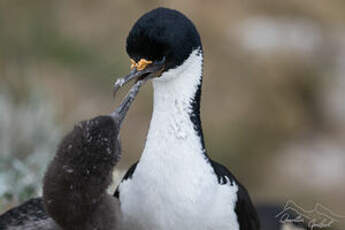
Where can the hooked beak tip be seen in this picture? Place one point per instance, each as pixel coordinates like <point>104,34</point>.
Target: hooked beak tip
<point>144,69</point>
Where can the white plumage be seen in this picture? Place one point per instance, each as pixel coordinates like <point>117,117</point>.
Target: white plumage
<point>174,185</point>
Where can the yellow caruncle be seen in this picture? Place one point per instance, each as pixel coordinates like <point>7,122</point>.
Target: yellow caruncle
<point>140,65</point>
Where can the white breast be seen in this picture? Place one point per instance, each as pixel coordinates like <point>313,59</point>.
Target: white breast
<point>174,187</point>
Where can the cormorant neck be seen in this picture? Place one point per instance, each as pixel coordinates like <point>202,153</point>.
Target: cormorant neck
<point>175,123</point>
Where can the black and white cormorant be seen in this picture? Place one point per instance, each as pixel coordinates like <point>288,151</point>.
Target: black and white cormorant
<point>175,184</point>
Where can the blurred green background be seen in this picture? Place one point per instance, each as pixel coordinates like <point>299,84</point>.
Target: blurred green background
<point>273,103</point>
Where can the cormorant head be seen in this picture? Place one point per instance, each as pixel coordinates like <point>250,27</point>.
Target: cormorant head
<point>163,33</point>
<point>159,41</point>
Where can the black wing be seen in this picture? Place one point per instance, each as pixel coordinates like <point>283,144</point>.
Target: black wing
<point>29,216</point>
<point>246,213</point>
<point>247,216</point>
<point>128,175</point>
<point>31,209</point>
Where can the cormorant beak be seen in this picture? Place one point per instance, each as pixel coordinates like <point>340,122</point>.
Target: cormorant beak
<point>142,71</point>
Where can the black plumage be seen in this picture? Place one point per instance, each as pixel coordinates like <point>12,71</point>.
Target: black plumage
<point>74,191</point>
<point>245,210</point>
<point>162,33</point>
<point>75,183</point>
<point>28,216</point>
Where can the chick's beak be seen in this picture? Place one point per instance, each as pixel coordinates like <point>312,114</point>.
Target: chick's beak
<point>120,112</point>
<point>142,69</point>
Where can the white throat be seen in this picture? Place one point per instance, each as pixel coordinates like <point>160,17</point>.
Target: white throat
<point>174,185</point>
<point>171,124</point>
